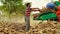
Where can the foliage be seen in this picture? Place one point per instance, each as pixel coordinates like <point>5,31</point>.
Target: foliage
<point>11,6</point>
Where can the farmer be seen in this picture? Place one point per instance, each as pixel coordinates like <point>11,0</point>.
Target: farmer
<point>27,15</point>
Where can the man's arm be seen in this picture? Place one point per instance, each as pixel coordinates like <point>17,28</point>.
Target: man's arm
<point>35,9</point>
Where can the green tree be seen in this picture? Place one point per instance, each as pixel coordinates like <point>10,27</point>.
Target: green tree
<point>11,6</point>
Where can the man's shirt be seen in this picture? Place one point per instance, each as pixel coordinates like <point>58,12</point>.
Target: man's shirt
<point>28,10</point>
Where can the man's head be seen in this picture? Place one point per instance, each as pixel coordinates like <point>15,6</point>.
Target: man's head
<point>28,4</point>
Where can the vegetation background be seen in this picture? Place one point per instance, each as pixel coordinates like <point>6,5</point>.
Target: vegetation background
<point>12,10</point>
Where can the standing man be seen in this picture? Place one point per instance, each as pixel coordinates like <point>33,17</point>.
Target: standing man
<point>27,15</point>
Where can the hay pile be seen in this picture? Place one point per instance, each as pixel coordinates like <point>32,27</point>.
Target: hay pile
<point>50,27</point>
<point>17,28</point>
<point>12,28</point>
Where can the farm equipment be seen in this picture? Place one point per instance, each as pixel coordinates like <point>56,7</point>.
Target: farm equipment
<point>46,16</point>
